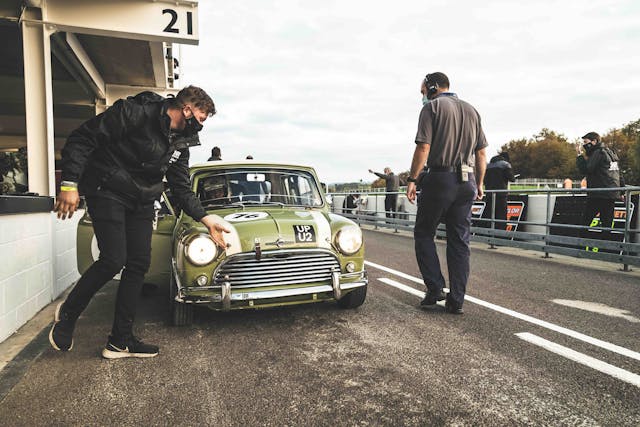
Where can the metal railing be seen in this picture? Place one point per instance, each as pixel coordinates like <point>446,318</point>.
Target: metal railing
<point>541,232</point>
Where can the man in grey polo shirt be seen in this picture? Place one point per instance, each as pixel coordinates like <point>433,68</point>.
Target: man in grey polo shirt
<point>451,142</point>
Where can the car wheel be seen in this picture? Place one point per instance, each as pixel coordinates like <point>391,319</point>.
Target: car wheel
<point>353,299</point>
<point>181,313</point>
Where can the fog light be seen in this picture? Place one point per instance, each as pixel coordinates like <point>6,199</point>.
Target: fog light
<point>202,280</point>
<point>351,267</point>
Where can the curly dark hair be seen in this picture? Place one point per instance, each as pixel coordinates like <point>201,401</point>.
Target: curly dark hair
<point>198,98</point>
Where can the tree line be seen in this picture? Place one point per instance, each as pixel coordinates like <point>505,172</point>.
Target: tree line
<point>551,155</point>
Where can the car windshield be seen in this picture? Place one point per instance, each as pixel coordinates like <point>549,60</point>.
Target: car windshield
<point>258,186</point>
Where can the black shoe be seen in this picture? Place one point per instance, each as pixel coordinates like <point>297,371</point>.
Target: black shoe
<point>432,297</point>
<point>132,347</point>
<point>453,307</point>
<point>61,333</point>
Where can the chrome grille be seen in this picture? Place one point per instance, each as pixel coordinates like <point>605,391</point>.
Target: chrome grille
<point>277,268</point>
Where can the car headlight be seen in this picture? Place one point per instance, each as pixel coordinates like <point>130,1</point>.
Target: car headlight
<point>200,249</point>
<point>349,239</point>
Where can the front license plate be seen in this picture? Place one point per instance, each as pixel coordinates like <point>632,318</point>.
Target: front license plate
<point>304,233</point>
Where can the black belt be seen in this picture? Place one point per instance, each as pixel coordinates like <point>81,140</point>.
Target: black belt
<point>441,169</point>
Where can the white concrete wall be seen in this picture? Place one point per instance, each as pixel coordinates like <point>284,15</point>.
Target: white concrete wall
<point>37,263</point>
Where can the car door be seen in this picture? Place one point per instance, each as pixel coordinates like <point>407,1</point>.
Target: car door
<point>163,225</point>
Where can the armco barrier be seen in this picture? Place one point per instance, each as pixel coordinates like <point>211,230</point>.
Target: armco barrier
<point>547,220</point>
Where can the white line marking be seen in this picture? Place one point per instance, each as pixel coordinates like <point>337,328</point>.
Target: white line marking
<point>406,288</point>
<point>402,287</point>
<point>596,307</point>
<point>565,331</point>
<point>582,358</point>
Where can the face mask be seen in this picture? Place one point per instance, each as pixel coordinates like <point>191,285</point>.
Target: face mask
<point>425,100</point>
<point>192,126</point>
<point>589,148</point>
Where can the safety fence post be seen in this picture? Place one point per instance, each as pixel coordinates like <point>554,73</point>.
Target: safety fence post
<point>627,221</point>
<point>493,221</point>
<point>547,227</point>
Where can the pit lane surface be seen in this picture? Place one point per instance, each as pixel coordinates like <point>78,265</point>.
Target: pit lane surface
<point>386,363</point>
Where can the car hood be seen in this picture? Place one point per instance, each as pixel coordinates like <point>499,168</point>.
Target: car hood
<point>277,229</point>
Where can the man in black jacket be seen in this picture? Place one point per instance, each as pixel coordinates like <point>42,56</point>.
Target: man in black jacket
<point>117,160</point>
<point>499,174</point>
<point>600,165</point>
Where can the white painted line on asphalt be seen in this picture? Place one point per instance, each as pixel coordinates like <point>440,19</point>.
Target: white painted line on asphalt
<point>596,307</point>
<point>582,358</point>
<point>407,289</point>
<point>565,331</point>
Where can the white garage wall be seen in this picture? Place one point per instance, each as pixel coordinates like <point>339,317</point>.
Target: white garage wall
<point>37,263</point>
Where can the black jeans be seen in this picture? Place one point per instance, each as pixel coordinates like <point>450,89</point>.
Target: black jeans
<point>444,199</point>
<point>390,202</point>
<point>598,205</point>
<point>124,239</point>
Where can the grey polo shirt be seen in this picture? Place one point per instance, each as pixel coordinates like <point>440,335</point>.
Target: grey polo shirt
<point>452,127</point>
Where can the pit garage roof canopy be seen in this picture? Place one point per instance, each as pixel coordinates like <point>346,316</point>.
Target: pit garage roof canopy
<point>80,56</point>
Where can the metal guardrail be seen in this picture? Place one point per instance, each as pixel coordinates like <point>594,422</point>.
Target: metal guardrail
<point>625,252</point>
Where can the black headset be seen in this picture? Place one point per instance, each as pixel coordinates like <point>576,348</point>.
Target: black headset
<point>432,87</point>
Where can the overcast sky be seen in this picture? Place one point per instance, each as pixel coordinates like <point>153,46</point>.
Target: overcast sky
<point>336,84</point>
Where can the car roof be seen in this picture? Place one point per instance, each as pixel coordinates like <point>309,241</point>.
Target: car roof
<point>246,163</point>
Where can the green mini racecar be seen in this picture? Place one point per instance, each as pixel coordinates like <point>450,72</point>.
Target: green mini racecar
<point>285,246</point>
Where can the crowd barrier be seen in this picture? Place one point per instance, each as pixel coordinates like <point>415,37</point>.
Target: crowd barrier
<point>545,220</point>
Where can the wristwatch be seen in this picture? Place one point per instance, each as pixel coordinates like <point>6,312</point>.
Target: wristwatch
<point>411,179</point>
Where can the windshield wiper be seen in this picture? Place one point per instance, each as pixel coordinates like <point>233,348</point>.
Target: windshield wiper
<point>255,202</point>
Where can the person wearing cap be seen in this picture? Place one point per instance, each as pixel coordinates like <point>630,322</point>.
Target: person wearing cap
<point>499,174</point>
<point>118,160</point>
<point>600,165</point>
<point>451,142</point>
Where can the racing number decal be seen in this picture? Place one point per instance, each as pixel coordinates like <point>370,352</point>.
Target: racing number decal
<point>304,233</point>
<point>174,18</point>
<point>245,216</point>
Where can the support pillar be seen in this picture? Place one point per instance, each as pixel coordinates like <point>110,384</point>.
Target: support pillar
<point>38,97</point>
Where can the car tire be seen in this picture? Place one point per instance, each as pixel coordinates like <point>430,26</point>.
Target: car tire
<point>353,299</point>
<point>181,313</point>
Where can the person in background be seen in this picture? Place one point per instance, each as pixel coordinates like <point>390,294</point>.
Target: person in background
<point>600,165</point>
<point>350,203</point>
<point>215,154</point>
<point>499,174</point>
<point>392,184</point>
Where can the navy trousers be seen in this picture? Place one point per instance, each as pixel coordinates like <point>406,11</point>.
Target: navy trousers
<point>444,199</point>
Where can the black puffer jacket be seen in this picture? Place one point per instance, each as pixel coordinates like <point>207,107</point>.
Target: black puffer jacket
<point>602,171</point>
<point>125,152</point>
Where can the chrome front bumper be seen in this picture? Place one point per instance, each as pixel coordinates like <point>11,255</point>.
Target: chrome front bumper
<point>225,295</point>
